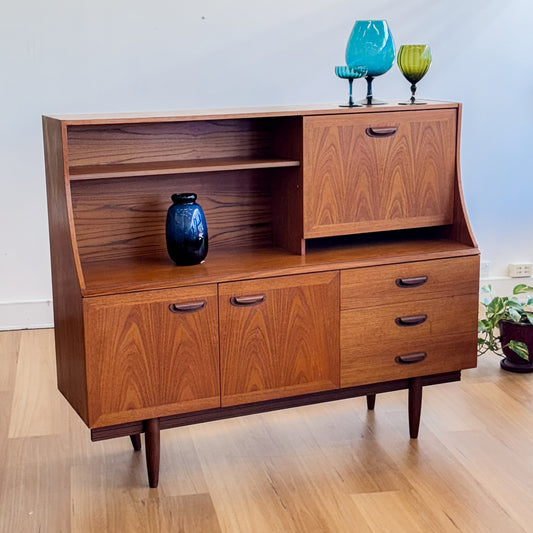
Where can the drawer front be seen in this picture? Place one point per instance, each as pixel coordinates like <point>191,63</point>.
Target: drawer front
<point>378,171</point>
<point>362,364</point>
<point>373,286</point>
<point>405,340</point>
<point>279,337</point>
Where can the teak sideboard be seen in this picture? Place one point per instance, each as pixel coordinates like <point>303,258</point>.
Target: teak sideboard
<point>341,262</point>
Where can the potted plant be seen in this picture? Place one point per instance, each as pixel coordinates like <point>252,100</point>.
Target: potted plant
<point>507,328</point>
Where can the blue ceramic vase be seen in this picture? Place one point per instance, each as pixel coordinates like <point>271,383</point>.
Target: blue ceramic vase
<point>371,46</point>
<point>186,230</point>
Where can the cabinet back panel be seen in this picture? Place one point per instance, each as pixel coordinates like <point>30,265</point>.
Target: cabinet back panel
<point>173,141</point>
<point>113,221</point>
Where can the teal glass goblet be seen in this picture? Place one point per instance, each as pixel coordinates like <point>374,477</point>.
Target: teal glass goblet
<point>414,61</point>
<point>371,44</point>
<point>350,74</point>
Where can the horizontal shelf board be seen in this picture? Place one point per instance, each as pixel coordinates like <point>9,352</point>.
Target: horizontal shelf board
<point>161,168</point>
<point>150,273</point>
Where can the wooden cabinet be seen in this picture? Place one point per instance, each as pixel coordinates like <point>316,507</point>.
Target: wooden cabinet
<point>340,263</point>
<point>279,337</point>
<point>378,171</point>
<point>151,354</point>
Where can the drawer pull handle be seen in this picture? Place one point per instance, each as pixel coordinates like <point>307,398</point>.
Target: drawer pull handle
<point>410,283</point>
<point>407,321</point>
<point>411,358</point>
<point>381,132</point>
<point>240,301</point>
<point>187,308</point>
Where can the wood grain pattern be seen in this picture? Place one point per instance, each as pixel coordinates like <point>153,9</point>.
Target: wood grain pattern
<point>368,287</point>
<point>145,361</point>
<point>113,221</point>
<point>356,183</point>
<point>376,325</point>
<point>461,230</point>
<point>158,272</point>
<point>233,113</point>
<point>67,276</point>
<point>286,345</point>
<point>287,187</point>
<point>36,408</point>
<point>372,363</point>
<point>141,143</point>
<point>319,467</point>
<point>131,170</point>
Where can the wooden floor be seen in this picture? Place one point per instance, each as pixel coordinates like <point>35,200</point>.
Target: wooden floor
<point>325,468</point>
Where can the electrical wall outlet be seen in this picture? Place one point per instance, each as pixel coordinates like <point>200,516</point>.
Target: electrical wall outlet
<point>520,270</point>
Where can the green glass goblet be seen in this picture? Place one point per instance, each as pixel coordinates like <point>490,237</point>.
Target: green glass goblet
<point>350,74</point>
<point>414,61</point>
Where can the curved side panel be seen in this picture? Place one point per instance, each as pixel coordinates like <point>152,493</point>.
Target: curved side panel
<point>461,231</point>
<point>67,278</point>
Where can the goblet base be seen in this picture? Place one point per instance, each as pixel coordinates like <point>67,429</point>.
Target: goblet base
<point>350,105</point>
<point>416,102</point>
<point>373,101</point>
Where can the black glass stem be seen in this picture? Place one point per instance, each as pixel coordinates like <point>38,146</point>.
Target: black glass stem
<point>369,80</point>
<point>413,90</point>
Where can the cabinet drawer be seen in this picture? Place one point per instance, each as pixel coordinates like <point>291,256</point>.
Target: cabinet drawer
<point>151,354</point>
<point>372,363</point>
<point>408,321</point>
<point>406,282</point>
<point>279,337</point>
<point>408,339</point>
<point>378,171</point>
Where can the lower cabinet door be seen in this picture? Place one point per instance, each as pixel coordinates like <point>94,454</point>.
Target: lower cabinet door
<point>151,354</point>
<point>279,337</point>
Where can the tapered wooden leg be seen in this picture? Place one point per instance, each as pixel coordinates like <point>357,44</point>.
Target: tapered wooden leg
<point>415,406</point>
<point>370,401</point>
<point>136,441</point>
<point>152,442</point>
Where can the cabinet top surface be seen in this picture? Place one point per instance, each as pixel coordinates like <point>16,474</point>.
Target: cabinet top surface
<point>232,113</point>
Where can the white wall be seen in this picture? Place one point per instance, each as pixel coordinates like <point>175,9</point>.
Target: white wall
<point>74,56</point>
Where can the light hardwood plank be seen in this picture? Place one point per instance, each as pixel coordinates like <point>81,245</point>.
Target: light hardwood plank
<point>8,359</point>
<point>332,467</point>
<point>37,407</point>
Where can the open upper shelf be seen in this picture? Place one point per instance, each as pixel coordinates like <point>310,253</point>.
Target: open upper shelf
<point>161,168</point>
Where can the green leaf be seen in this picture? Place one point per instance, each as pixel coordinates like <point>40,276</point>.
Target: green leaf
<point>496,306</point>
<point>515,315</point>
<point>519,348</point>
<point>522,288</point>
<point>529,317</point>
<point>511,302</point>
<point>486,288</point>
<point>484,325</point>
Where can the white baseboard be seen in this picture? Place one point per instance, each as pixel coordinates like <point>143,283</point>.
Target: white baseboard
<point>26,315</point>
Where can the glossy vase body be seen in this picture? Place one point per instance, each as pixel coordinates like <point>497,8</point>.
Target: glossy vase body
<point>186,230</point>
<point>371,45</point>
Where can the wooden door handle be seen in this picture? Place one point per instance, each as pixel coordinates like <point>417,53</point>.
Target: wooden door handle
<point>407,283</point>
<point>240,301</point>
<point>407,321</point>
<point>381,132</point>
<point>190,307</point>
<point>411,358</point>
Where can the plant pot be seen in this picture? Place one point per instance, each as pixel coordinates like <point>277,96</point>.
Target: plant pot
<point>517,332</point>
